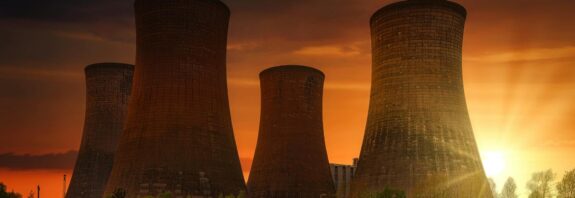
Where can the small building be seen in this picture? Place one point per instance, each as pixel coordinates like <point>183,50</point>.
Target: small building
<point>342,175</point>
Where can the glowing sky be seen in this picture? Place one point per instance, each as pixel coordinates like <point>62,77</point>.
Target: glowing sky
<point>519,72</point>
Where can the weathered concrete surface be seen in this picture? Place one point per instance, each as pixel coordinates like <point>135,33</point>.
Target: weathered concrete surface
<point>179,135</point>
<point>418,136</point>
<point>108,88</point>
<point>291,158</point>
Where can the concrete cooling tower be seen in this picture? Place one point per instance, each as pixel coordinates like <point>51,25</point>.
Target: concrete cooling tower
<point>291,159</point>
<point>418,137</point>
<point>179,137</point>
<point>108,88</point>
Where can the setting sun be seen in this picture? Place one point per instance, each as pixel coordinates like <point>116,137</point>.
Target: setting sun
<point>493,162</point>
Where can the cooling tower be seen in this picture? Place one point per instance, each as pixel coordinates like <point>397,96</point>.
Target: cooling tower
<point>291,158</point>
<point>178,136</point>
<point>418,137</point>
<point>107,90</point>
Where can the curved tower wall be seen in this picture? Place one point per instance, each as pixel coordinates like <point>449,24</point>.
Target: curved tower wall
<point>418,136</point>
<point>108,88</point>
<point>291,158</point>
<point>179,135</point>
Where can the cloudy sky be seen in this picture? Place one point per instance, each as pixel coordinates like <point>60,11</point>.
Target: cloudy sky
<point>519,72</point>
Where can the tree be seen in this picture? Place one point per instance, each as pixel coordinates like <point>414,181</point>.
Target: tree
<point>540,184</point>
<point>31,194</point>
<point>566,188</point>
<point>4,194</point>
<point>509,189</point>
<point>242,194</point>
<point>535,194</point>
<point>493,187</point>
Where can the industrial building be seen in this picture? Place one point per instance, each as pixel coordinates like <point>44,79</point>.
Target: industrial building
<point>342,175</point>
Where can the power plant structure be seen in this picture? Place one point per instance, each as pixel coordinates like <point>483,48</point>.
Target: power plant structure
<point>342,175</point>
<point>108,88</point>
<point>418,137</point>
<point>291,158</point>
<point>178,137</point>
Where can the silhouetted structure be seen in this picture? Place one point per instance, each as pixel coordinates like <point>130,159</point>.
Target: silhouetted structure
<point>64,185</point>
<point>418,136</point>
<point>108,88</point>
<point>291,158</point>
<point>342,176</point>
<point>179,136</point>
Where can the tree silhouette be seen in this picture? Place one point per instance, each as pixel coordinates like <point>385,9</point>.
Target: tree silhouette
<point>540,184</point>
<point>509,189</point>
<point>4,194</point>
<point>535,194</point>
<point>242,194</point>
<point>493,187</point>
<point>566,188</point>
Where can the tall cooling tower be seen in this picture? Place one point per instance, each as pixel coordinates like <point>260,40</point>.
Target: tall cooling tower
<point>291,158</point>
<point>108,88</point>
<point>418,137</point>
<point>179,137</point>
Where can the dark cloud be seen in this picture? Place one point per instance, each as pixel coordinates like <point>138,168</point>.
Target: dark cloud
<point>59,161</point>
<point>75,11</point>
<point>52,161</point>
<point>300,21</point>
<point>39,104</point>
<point>104,20</point>
<point>42,48</point>
<point>304,22</point>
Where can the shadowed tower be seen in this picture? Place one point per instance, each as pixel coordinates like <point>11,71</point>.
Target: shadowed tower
<point>179,136</point>
<point>418,136</point>
<point>291,159</point>
<point>107,91</point>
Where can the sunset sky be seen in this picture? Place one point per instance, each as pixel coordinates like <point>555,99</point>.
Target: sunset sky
<point>519,73</point>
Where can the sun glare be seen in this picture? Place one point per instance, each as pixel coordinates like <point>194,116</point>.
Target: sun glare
<point>493,162</point>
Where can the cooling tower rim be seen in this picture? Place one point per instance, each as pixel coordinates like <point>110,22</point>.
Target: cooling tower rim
<point>109,65</point>
<point>402,4</point>
<point>224,5</point>
<point>291,68</point>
